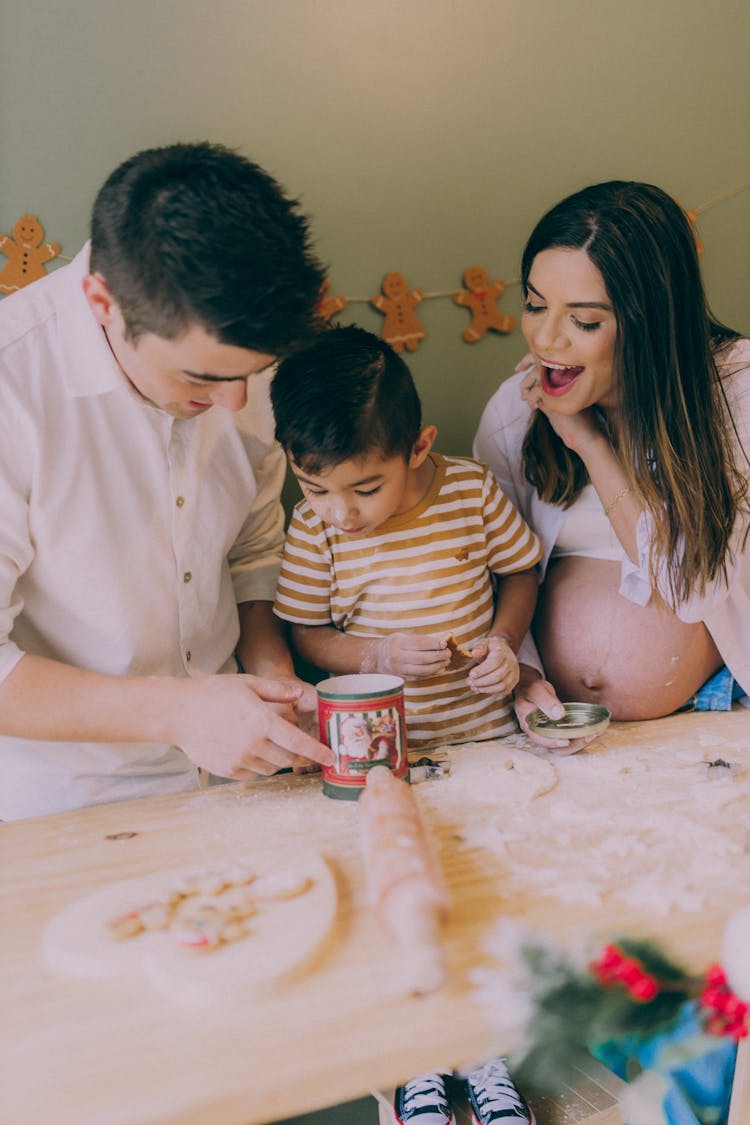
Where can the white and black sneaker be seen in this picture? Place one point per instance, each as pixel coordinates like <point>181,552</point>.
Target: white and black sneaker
<point>493,1097</point>
<point>423,1101</point>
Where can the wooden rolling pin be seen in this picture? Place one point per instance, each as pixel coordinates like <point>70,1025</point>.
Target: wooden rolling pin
<point>404,883</point>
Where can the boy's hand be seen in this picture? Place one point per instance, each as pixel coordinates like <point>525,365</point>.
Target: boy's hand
<point>228,725</point>
<point>413,656</point>
<point>496,670</point>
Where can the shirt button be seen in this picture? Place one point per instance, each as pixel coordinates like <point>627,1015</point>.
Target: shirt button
<point>180,501</point>
<point>188,656</point>
<point>186,576</point>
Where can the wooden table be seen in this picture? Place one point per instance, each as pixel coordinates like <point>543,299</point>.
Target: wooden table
<point>114,1053</point>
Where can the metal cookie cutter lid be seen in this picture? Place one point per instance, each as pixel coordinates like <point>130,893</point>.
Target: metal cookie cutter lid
<point>580,720</point>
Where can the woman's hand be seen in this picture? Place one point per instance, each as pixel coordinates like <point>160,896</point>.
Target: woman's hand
<point>531,384</point>
<point>496,669</point>
<point>532,692</point>
<point>579,431</point>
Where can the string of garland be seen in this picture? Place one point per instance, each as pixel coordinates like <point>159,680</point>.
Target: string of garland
<point>692,214</point>
<point>403,329</point>
<point>28,255</point>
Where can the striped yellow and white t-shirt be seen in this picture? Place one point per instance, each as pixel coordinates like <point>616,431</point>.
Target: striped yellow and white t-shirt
<point>427,570</point>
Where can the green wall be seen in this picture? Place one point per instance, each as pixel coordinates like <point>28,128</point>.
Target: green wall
<point>422,135</point>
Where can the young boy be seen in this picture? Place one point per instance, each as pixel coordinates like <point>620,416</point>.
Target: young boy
<point>394,549</point>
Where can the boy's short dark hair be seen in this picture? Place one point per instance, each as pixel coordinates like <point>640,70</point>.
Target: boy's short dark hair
<point>344,395</point>
<point>198,234</point>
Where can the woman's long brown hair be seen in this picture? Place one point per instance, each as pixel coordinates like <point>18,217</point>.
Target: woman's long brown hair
<point>675,429</point>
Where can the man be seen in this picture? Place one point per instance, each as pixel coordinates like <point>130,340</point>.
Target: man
<point>140,522</point>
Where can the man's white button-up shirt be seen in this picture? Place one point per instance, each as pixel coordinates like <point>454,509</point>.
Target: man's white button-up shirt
<point>127,536</point>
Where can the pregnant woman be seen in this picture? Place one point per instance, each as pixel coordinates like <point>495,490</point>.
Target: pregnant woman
<point>624,441</point>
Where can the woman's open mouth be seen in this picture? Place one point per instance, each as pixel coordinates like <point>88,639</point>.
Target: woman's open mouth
<point>557,379</point>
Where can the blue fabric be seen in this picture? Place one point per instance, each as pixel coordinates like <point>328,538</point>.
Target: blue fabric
<point>698,1088</point>
<point>717,694</point>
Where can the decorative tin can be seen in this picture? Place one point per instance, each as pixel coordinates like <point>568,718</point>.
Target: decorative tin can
<point>361,717</point>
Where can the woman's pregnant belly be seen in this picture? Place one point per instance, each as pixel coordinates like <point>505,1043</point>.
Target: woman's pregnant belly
<point>596,646</point>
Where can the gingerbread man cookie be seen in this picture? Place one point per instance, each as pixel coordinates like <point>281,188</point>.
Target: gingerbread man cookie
<point>328,306</point>
<point>479,297</point>
<point>460,656</point>
<point>402,327</point>
<point>25,253</point>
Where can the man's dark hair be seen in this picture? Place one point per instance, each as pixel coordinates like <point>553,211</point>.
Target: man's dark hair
<point>198,234</point>
<point>344,395</point>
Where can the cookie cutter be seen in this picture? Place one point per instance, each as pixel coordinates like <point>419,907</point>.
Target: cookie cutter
<point>580,720</point>
<point>428,769</point>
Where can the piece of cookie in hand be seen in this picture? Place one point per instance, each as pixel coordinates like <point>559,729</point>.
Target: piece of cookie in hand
<point>460,657</point>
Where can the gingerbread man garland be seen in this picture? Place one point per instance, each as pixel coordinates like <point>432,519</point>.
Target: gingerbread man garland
<point>479,297</point>
<point>25,253</point>
<point>402,328</point>
<point>328,306</point>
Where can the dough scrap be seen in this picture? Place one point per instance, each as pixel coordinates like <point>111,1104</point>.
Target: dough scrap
<point>501,776</point>
<point>455,648</point>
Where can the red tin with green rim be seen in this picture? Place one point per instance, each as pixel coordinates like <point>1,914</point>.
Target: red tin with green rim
<point>361,718</point>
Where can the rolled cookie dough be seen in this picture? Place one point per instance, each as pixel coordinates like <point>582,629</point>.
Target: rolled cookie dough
<point>284,935</point>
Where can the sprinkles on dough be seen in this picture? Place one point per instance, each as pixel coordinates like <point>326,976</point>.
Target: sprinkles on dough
<point>208,909</point>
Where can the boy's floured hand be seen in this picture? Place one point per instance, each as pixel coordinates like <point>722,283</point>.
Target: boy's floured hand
<point>496,670</point>
<point>413,656</point>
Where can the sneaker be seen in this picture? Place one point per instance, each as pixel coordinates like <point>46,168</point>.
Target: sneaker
<point>493,1098</point>
<point>423,1101</point>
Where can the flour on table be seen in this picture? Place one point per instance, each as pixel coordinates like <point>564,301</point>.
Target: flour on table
<point>502,780</point>
<point>293,911</point>
<point>615,810</point>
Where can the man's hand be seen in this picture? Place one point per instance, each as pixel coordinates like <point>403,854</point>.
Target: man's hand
<point>413,656</point>
<point>229,725</point>
<point>303,712</point>
<point>497,667</point>
<point>532,692</point>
